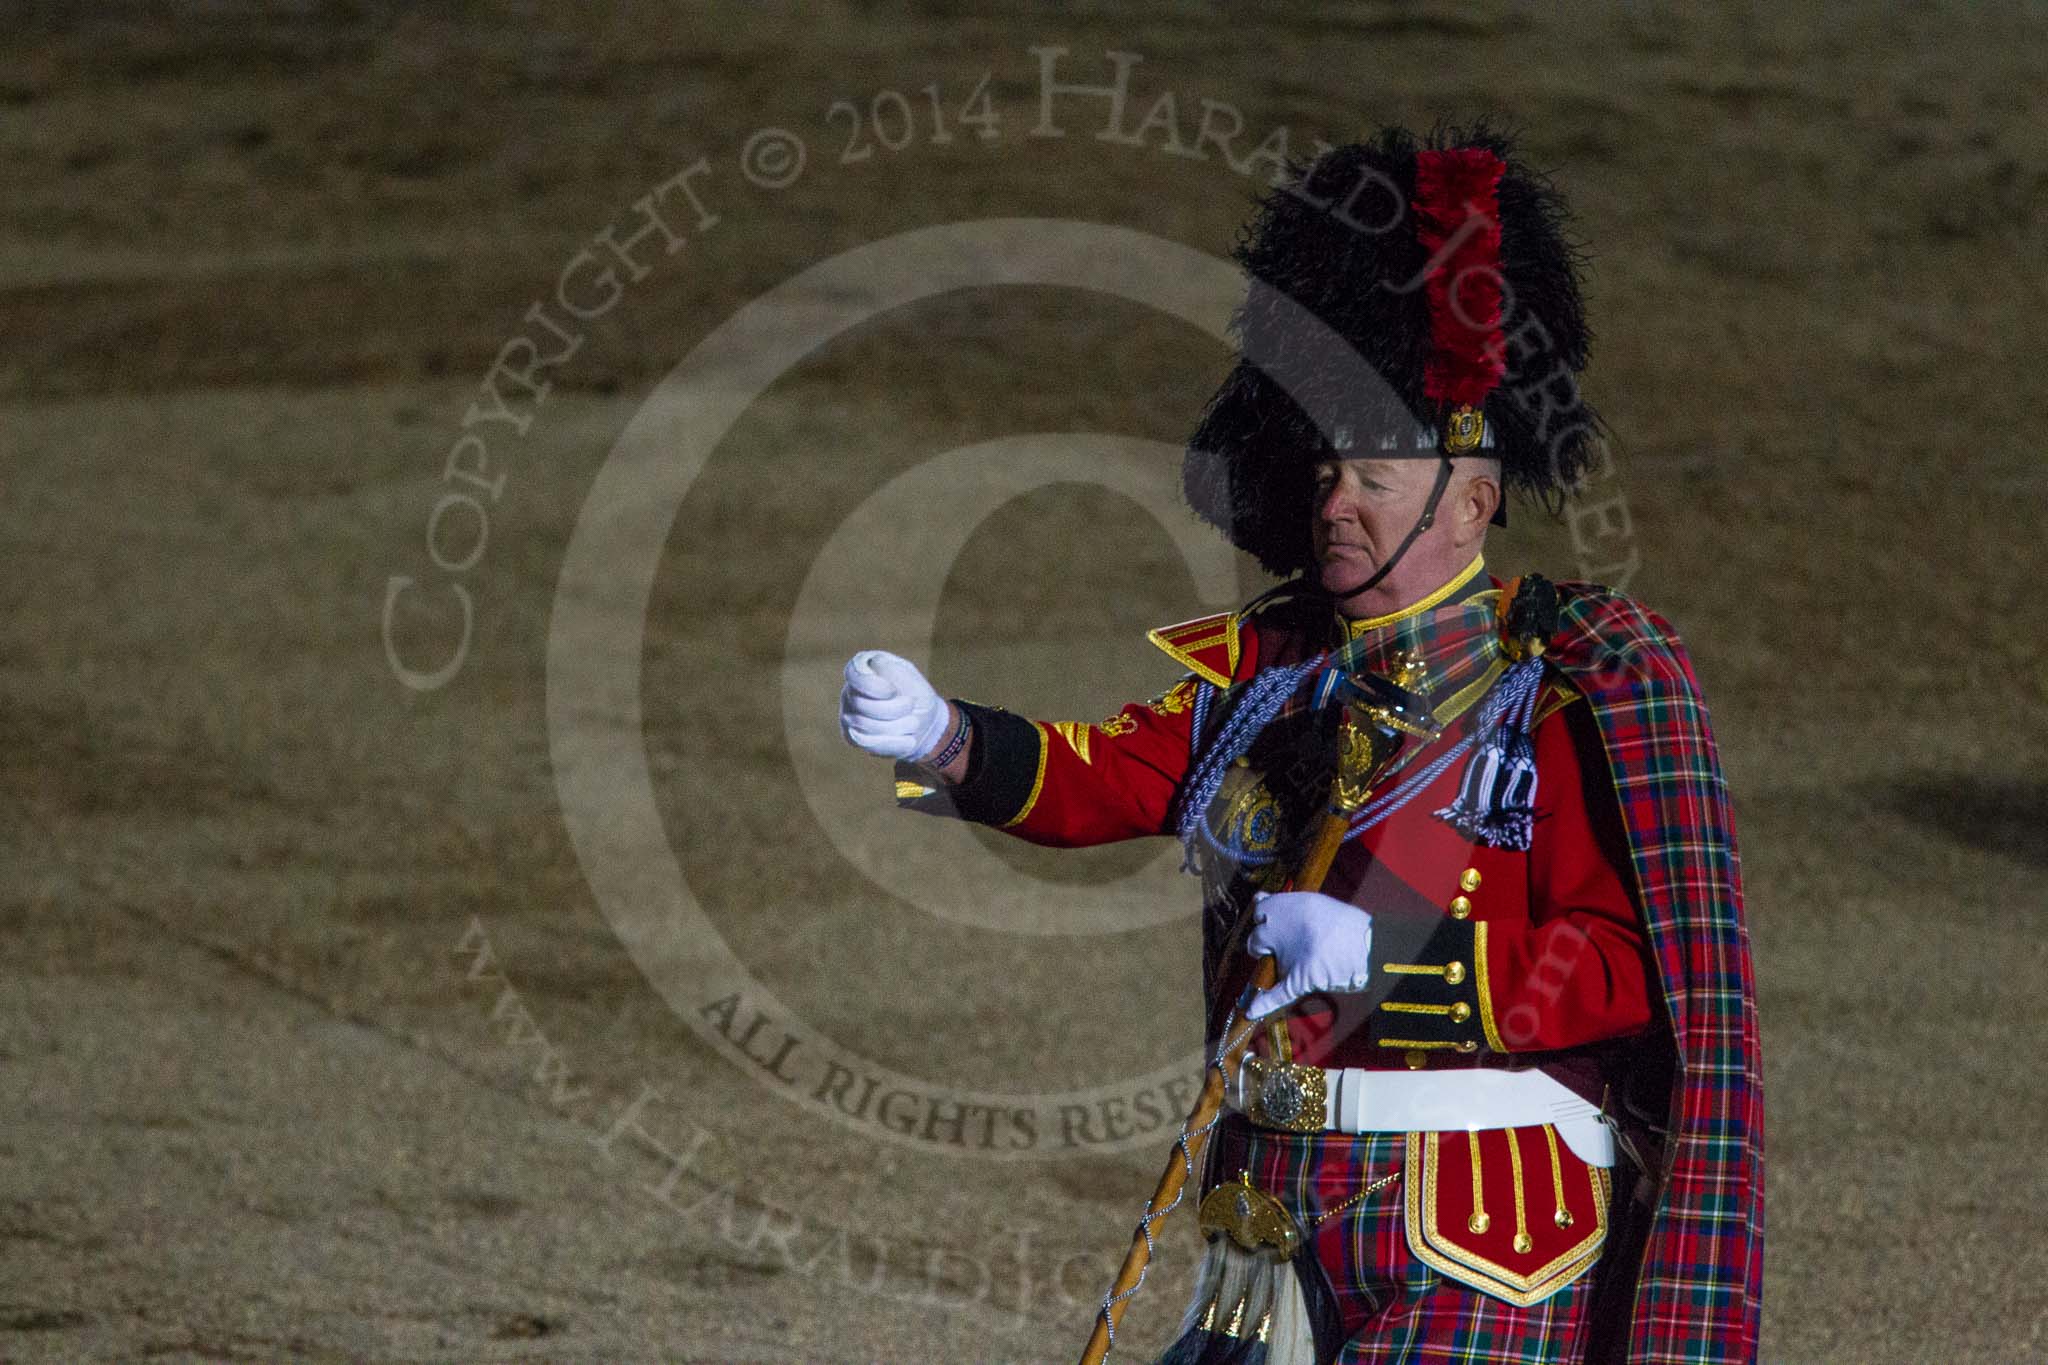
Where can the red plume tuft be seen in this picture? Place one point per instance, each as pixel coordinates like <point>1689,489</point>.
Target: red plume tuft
<point>1457,206</point>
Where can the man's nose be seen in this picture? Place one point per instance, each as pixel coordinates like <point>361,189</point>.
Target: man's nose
<point>1335,504</point>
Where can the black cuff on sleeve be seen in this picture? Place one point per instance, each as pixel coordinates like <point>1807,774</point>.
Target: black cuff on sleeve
<point>1002,771</point>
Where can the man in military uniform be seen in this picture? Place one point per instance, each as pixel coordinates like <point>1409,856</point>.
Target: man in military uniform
<point>1504,1093</point>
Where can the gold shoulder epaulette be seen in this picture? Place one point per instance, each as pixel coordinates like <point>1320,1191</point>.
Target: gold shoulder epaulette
<point>1206,645</point>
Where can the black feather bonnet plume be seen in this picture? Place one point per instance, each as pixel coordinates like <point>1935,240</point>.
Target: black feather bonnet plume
<point>1407,295</point>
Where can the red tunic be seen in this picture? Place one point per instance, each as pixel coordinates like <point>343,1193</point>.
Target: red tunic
<point>1548,942</point>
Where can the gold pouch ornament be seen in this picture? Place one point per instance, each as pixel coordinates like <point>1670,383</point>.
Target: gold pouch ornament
<point>1260,1295</point>
<point>1250,1217</point>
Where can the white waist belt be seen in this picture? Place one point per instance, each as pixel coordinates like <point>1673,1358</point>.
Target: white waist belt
<point>1360,1101</point>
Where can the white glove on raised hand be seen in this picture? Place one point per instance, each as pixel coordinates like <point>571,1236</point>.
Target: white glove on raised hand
<point>888,709</point>
<point>1323,944</point>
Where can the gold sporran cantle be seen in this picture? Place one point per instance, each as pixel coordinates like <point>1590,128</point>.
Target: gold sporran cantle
<point>1261,1297</point>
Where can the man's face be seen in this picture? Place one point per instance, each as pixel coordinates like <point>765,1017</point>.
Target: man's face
<point>1363,510</point>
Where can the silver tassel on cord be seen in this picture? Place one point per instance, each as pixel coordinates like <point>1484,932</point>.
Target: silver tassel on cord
<point>1496,802</point>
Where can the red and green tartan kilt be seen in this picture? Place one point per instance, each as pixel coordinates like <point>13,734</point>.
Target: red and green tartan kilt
<point>1394,1307</point>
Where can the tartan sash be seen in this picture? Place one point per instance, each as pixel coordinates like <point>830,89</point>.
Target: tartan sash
<point>1698,1295</point>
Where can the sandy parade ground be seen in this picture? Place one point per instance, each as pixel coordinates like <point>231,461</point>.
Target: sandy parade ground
<point>447,453</point>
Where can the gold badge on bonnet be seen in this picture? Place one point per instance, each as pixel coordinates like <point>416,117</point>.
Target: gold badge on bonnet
<point>1464,429</point>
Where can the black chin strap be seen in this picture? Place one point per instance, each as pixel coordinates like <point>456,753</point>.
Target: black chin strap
<point>1436,492</point>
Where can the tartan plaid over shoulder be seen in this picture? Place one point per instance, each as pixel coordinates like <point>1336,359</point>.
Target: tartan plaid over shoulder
<point>1698,1296</point>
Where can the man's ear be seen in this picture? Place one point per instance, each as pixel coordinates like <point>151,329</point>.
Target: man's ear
<point>1478,498</point>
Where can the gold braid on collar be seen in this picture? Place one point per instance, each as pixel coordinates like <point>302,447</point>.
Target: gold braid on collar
<point>1356,628</point>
